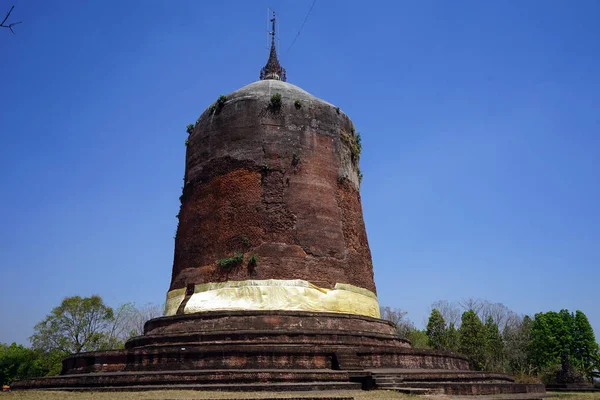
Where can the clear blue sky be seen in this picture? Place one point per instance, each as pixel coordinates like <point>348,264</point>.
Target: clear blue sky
<point>480,123</point>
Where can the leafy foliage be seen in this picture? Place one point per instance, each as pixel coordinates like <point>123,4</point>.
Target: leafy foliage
<point>19,362</point>
<point>190,128</point>
<point>275,103</point>
<point>78,324</point>
<point>231,261</point>
<point>436,330</point>
<point>472,339</point>
<point>298,104</point>
<point>494,346</point>
<point>218,105</point>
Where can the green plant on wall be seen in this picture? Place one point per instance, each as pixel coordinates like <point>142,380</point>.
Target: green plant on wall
<point>298,104</point>
<point>231,261</point>
<point>218,105</point>
<point>190,128</point>
<point>275,103</point>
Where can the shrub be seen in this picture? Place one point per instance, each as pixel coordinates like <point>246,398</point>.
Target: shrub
<point>187,141</point>
<point>231,261</point>
<point>275,103</point>
<point>190,128</point>
<point>218,105</point>
<point>252,260</point>
<point>337,110</point>
<point>297,104</point>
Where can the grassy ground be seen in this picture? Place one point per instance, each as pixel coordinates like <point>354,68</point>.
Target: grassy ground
<point>195,395</point>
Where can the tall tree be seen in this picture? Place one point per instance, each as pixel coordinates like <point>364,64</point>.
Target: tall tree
<point>494,346</point>
<point>516,339</point>
<point>78,324</point>
<point>436,330</point>
<point>452,338</point>
<point>550,336</point>
<point>584,349</point>
<point>472,339</point>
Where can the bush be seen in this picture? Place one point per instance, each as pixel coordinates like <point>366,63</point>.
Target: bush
<point>297,104</point>
<point>190,128</point>
<point>275,103</point>
<point>231,261</point>
<point>217,106</point>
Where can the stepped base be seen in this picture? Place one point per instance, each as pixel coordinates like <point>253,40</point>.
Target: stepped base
<point>272,351</point>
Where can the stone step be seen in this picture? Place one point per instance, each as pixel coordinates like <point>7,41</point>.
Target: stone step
<point>232,387</point>
<point>415,391</point>
<point>471,388</point>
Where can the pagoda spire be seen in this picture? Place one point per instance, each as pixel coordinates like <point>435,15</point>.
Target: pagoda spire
<point>273,70</point>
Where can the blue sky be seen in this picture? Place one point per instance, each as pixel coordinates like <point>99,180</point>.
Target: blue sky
<point>480,124</point>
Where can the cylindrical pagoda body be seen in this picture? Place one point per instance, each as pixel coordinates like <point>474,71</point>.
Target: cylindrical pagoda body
<point>271,215</point>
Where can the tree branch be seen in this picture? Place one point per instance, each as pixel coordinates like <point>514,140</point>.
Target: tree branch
<point>10,25</point>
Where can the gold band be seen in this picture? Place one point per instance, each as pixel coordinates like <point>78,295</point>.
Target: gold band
<point>273,294</point>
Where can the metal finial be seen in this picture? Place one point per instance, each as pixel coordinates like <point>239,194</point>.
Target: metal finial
<point>273,70</point>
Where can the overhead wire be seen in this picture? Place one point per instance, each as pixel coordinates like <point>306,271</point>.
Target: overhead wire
<point>302,26</point>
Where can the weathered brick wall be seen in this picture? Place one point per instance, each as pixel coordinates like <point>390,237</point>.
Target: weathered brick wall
<point>279,185</point>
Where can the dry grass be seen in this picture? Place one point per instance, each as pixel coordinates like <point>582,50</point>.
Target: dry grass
<point>194,395</point>
<point>576,396</point>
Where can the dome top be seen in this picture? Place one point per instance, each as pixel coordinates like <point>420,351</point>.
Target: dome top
<point>267,88</point>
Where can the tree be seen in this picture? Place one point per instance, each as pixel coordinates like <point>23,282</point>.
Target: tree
<point>584,349</point>
<point>450,311</point>
<point>10,24</point>
<point>472,339</point>
<point>516,341</point>
<point>397,317</point>
<point>78,324</point>
<point>452,338</point>
<point>418,339</point>
<point>550,336</point>
<point>436,330</point>
<point>18,362</point>
<point>494,346</point>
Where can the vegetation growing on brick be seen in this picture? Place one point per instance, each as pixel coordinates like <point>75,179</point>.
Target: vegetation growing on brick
<point>217,106</point>
<point>275,103</point>
<point>231,261</point>
<point>298,104</point>
<point>252,260</point>
<point>190,128</point>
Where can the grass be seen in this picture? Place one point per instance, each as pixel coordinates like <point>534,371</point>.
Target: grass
<point>197,395</point>
<point>193,395</point>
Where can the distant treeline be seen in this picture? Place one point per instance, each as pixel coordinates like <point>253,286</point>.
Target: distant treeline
<point>77,325</point>
<point>495,338</point>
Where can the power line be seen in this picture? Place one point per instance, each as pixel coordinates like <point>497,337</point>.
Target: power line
<point>300,30</point>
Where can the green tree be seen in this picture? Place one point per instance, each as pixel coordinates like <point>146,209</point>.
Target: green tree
<point>436,330</point>
<point>472,339</point>
<point>550,336</point>
<point>516,340</point>
<point>418,339</point>
<point>18,362</point>
<point>494,346</point>
<point>78,324</point>
<point>584,349</point>
<point>452,338</point>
